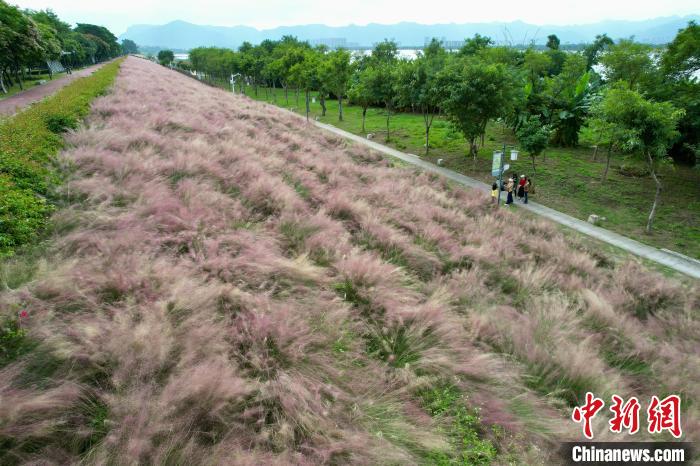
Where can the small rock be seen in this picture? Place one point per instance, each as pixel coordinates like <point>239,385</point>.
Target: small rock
<point>595,219</point>
<point>370,136</point>
<point>440,162</point>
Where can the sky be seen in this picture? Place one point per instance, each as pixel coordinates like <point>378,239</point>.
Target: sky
<point>263,14</point>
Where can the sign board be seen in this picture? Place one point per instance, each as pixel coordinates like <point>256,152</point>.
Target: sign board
<point>496,164</point>
<point>514,155</point>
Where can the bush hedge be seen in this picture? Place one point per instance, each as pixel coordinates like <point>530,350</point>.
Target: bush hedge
<point>29,142</point>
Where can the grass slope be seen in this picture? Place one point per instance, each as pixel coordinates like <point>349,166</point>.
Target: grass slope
<point>226,284</point>
<point>567,178</point>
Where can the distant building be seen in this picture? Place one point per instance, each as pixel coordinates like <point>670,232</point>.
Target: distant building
<point>448,44</point>
<point>334,43</point>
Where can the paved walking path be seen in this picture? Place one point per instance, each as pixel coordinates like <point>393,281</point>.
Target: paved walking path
<point>670,259</point>
<point>13,104</point>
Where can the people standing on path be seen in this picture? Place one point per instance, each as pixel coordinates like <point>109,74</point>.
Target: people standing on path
<point>509,188</point>
<point>526,189</point>
<point>521,187</point>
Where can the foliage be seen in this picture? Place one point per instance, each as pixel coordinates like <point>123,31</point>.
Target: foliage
<point>533,137</point>
<point>29,142</point>
<point>335,71</point>
<point>31,38</point>
<point>165,57</point>
<point>129,46</point>
<point>627,61</point>
<point>463,426</point>
<point>13,340</point>
<point>475,93</point>
<point>645,127</point>
<point>593,50</point>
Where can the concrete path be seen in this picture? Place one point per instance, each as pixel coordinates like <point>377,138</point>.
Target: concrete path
<point>670,259</point>
<point>11,105</point>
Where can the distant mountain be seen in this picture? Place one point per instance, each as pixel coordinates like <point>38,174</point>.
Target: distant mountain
<point>184,35</point>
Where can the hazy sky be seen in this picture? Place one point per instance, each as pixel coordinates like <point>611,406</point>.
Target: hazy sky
<point>118,15</point>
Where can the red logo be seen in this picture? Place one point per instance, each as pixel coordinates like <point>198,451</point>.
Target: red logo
<point>626,415</point>
<point>665,415</point>
<point>661,415</point>
<point>587,412</point>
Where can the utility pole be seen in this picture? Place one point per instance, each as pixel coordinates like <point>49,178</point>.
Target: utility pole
<point>500,175</point>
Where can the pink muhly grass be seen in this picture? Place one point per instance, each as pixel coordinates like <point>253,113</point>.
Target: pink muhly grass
<point>229,284</point>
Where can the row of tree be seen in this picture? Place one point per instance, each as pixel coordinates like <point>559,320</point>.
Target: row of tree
<point>34,39</point>
<point>623,96</point>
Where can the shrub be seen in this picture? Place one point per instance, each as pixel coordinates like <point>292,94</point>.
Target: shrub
<point>29,142</point>
<point>13,341</point>
<point>60,123</point>
<point>464,427</point>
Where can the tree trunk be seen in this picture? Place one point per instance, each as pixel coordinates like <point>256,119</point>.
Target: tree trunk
<point>274,92</point>
<point>364,113</point>
<point>256,88</point>
<point>322,99</point>
<point>607,164</point>
<point>297,97</point>
<point>2,84</point>
<point>48,65</point>
<point>307,105</point>
<point>388,115</point>
<point>595,152</point>
<point>8,78</point>
<point>19,80</point>
<point>286,95</point>
<point>474,150</point>
<point>340,108</point>
<point>652,214</point>
<point>534,170</point>
<point>428,119</point>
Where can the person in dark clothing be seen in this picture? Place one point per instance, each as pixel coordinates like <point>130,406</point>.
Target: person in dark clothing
<point>526,189</point>
<point>521,187</point>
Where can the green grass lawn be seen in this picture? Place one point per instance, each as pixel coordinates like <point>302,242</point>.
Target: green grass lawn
<point>29,83</point>
<point>566,179</point>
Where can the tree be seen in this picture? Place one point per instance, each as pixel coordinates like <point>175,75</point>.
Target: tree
<point>417,85</point>
<point>475,93</point>
<point>646,127</point>
<point>106,41</point>
<point>304,74</point>
<point>682,57</point>
<point>384,89</point>
<point>166,57</point>
<point>627,61</point>
<point>593,50</point>
<point>20,40</point>
<point>680,64</point>
<point>566,100</point>
<point>536,65</point>
<point>533,137</point>
<point>474,45</point>
<point>600,132</point>
<point>360,91</point>
<point>385,52</point>
<point>553,42</point>
<point>129,46</point>
<point>334,72</point>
